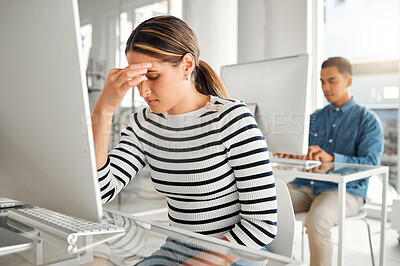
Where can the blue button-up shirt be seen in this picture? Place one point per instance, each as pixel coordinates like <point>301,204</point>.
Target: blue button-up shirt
<point>353,134</point>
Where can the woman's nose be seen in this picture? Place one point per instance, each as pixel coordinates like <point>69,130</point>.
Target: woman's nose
<point>144,89</point>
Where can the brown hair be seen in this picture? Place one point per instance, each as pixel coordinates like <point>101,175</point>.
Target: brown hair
<point>341,63</point>
<point>168,39</point>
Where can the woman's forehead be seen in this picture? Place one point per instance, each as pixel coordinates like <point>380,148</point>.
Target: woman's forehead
<point>138,58</point>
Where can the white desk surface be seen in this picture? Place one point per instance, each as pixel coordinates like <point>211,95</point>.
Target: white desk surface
<point>140,240</point>
<point>333,172</point>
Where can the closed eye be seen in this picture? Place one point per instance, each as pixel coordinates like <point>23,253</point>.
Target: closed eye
<point>152,78</point>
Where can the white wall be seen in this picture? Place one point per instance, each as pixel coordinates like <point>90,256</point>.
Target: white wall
<point>272,28</point>
<point>279,28</point>
<point>251,30</point>
<point>215,24</point>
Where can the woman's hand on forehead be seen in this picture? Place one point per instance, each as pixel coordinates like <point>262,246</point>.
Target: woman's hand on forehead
<point>118,82</point>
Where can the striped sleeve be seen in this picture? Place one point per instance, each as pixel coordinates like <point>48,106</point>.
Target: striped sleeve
<point>249,158</point>
<point>123,162</point>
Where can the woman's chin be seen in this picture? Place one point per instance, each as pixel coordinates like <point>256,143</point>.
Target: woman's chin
<point>156,109</point>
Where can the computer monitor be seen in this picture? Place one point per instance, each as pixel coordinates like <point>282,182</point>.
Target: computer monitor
<point>46,145</point>
<point>278,93</point>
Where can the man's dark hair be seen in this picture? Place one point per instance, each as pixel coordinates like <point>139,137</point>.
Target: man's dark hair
<point>341,63</point>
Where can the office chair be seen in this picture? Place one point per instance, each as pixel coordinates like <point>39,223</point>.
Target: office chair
<point>283,243</point>
<point>361,215</point>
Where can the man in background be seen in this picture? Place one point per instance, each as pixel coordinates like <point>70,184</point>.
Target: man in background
<point>344,132</point>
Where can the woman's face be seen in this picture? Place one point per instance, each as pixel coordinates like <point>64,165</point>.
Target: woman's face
<point>164,88</point>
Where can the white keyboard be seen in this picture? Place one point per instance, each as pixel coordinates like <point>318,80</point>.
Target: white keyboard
<point>306,163</point>
<point>64,226</point>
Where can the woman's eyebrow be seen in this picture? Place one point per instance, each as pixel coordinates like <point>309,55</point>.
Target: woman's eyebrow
<point>151,70</point>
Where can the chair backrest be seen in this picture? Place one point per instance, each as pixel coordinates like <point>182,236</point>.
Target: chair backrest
<point>283,243</point>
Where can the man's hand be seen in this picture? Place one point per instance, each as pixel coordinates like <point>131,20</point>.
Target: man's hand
<point>289,156</point>
<point>318,154</point>
<point>314,153</point>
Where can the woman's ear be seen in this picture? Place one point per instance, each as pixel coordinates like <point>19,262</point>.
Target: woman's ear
<point>188,64</point>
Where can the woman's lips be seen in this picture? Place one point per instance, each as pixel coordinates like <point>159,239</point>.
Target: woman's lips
<point>151,102</point>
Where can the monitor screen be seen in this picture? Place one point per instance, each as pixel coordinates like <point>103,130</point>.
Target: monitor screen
<point>278,93</point>
<point>46,144</point>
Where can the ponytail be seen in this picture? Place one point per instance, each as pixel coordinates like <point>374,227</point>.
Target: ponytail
<point>207,81</point>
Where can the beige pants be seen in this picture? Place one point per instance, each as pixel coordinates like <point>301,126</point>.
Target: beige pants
<point>323,214</point>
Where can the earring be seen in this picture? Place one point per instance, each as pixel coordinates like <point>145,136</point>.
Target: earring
<point>187,77</point>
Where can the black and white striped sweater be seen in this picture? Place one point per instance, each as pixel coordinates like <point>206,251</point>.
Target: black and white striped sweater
<point>212,165</point>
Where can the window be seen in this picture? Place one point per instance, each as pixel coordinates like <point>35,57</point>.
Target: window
<point>86,33</point>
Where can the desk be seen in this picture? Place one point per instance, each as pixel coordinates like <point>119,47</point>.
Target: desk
<point>342,173</point>
<point>143,242</point>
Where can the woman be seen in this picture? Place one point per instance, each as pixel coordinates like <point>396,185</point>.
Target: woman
<point>206,153</point>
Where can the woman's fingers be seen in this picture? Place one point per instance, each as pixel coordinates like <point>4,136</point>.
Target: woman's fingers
<point>128,75</point>
<point>133,82</point>
<point>118,82</point>
<point>130,72</point>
